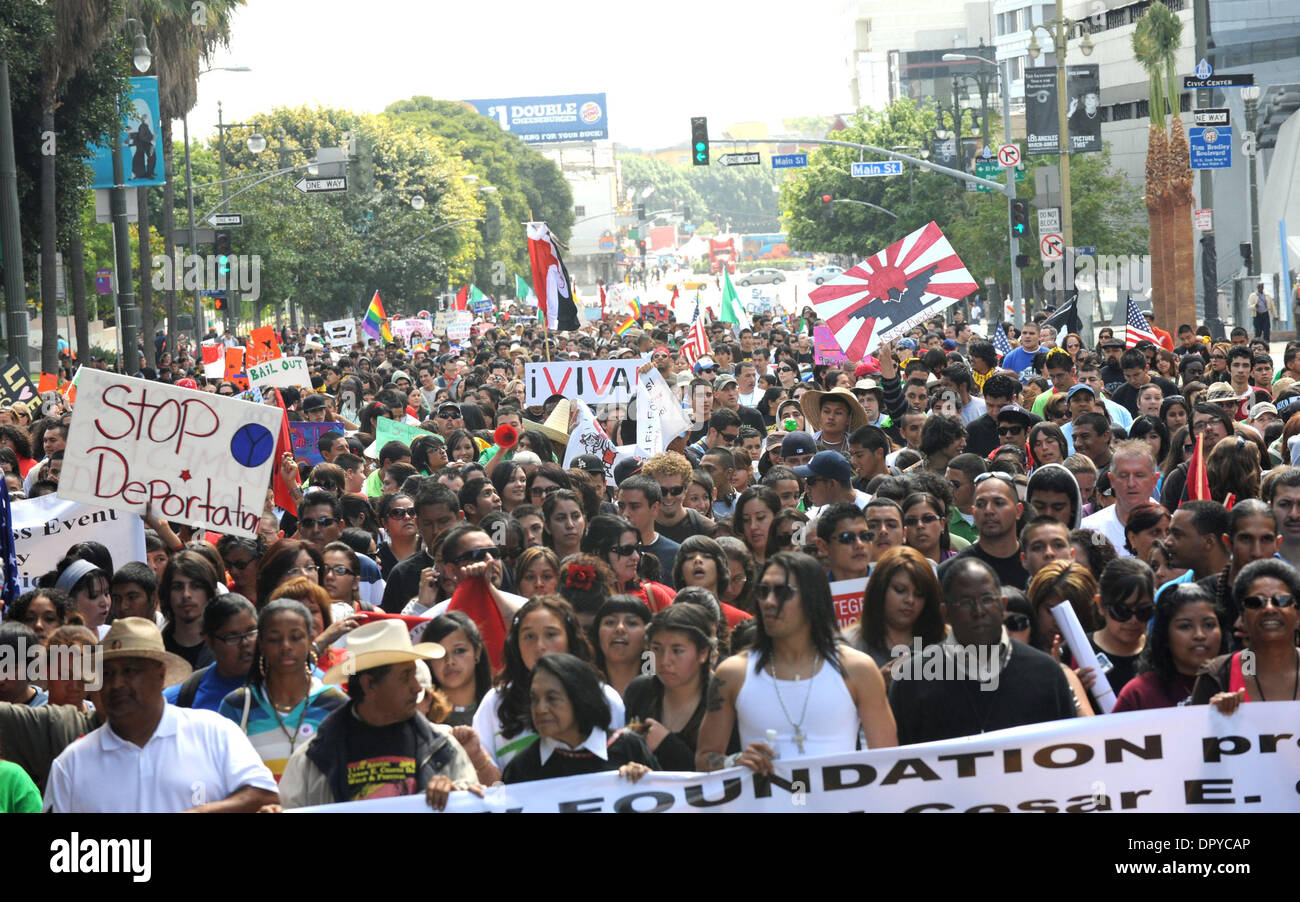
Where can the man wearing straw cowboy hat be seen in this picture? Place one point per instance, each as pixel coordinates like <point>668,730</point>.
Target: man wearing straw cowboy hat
<point>150,756</point>
<point>378,745</point>
<point>836,413</point>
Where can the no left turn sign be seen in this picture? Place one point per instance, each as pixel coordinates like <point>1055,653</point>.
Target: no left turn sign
<point>1009,155</point>
<point>1052,247</point>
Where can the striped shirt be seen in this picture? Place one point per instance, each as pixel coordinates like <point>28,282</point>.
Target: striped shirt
<point>270,731</point>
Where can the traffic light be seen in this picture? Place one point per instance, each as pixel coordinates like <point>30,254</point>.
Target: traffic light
<point>492,224</point>
<point>222,241</point>
<point>1019,218</point>
<point>1246,252</point>
<point>640,212</point>
<point>1022,261</point>
<point>640,246</point>
<point>219,303</point>
<point>827,200</point>
<point>700,141</point>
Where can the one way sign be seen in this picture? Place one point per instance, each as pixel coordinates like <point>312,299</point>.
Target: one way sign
<point>739,159</point>
<point>318,186</point>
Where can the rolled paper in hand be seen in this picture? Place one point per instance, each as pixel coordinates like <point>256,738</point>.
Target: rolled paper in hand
<point>1073,635</point>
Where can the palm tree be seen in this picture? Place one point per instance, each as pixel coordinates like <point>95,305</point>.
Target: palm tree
<point>1168,176</point>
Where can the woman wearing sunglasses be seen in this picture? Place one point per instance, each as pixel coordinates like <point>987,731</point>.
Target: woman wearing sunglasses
<point>925,526</point>
<point>787,532</point>
<point>397,514</point>
<point>1187,632</point>
<point>616,541</point>
<point>1127,587</point>
<point>1265,594</point>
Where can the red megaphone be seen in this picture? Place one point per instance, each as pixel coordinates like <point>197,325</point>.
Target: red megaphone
<point>506,436</point>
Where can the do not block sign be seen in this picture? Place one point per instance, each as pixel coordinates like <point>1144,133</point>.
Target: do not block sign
<point>193,457</point>
<point>281,372</point>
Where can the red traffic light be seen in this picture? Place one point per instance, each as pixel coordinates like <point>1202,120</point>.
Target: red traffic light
<point>826,198</point>
<point>219,304</point>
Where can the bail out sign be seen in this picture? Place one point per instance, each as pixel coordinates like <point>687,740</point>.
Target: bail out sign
<point>192,456</point>
<point>283,372</point>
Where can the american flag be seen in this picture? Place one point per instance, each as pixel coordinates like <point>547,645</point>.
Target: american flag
<point>697,343</point>
<point>1000,342</point>
<point>1138,327</point>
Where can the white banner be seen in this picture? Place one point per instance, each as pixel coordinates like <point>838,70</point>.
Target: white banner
<point>593,381</point>
<point>659,417</point>
<point>405,329</point>
<point>281,372</point>
<point>589,437</point>
<point>46,527</point>
<point>196,457</point>
<point>341,333</point>
<point>1189,759</point>
<point>454,324</point>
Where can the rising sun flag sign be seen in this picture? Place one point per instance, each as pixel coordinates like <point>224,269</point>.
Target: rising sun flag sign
<point>892,291</point>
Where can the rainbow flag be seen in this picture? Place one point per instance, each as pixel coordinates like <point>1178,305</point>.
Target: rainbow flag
<point>634,306</point>
<point>627,324</point>
<point>376,322</point>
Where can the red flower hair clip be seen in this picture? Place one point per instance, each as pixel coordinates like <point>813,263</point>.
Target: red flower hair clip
<point>580,576</point>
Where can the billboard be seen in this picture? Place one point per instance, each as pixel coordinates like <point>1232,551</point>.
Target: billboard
<point>1082,109</point>
<point>764,247</point>
<point>1042,134</point>
<point>142,158</point>
<point>546,120</point>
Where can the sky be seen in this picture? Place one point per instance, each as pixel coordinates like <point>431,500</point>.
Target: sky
<point>658,63</point>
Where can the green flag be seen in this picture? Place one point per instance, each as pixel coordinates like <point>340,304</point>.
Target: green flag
<point>522,291</point>
<point>732,310</point>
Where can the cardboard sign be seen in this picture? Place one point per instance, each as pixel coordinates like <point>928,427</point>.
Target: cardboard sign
<point>387,430</point>
<point>825,348</point>
<point>305,439</point>
<point>263,345</point>
<point>15,383</point>
<point>454,324</point>
<point>847,596</point>
<point>341,333</point>
<point>195,457</point>
<point>408,329</point>
<point>593,381</point>
<point>659,417</point>
<point>46,527</point>
<point>283,372</point>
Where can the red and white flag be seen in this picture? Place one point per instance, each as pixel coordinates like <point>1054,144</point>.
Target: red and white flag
<point>550,279</point>
<point>697,343</point>
<point>1138,327</point>
<point>891,291</point>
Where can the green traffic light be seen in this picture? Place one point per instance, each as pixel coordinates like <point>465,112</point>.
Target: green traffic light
<point>700,145</point>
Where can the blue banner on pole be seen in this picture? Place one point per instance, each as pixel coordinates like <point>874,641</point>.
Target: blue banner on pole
<point>1210,146</point>
<point>142,158</point>
<point>789,160</point>
<point>545,120</point>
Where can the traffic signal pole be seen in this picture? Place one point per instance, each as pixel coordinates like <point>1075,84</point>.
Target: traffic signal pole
<point>1013,243</point>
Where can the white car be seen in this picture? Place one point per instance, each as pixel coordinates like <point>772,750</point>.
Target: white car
<point>762,277</point>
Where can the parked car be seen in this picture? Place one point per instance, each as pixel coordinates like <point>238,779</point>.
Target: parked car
<point>694,284</point>
<point>824,274</point>
<point>762,277</point>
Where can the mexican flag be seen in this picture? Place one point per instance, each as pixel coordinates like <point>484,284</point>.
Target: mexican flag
<point>732,310</point>
<point>524,293</point>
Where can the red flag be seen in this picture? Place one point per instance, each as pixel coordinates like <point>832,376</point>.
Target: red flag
<point>555,295</point>
<point>283,445</point>
<point>475,599</point>
<point>462,299</point>
<point>601,286</point>
<point>1198,480</point>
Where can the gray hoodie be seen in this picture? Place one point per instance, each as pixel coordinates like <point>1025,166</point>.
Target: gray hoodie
<point>1040,475</point>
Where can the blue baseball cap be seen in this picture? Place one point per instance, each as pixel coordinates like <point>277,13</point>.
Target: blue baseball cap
<point>827,465</point>
<point>1078,387</point>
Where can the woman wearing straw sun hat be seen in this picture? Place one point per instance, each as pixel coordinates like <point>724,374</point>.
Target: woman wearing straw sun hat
<point>378,745</point>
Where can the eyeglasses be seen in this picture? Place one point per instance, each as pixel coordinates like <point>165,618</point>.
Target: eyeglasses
<point>972,604</point>
<point>866,537</point>
<point>340,570</point>
<point>781,594</point>
<point>313,522</point>
<point>474,556</point>
<point>1010,430</point>
<point>626,550</point>
<point>234,639</point>
<point>402,513</point>
<point>301,571</point>
<point>1121,612</point>
<point>926,519</point>
<point>1256,602</point>
<point>1016,622</point>
<point>995,474</point>
<point>673,490</point>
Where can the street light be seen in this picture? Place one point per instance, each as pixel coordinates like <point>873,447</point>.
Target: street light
<point>417,202</point>
<point>1250,95</point>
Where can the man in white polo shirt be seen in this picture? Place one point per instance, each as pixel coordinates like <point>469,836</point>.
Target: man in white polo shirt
<point>1133,478</point>
<point>151,756</point>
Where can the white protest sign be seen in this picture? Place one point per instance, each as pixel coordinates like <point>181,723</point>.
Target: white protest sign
<point>406,329</point>
<point>589,437</point>
<point>280,373</point>
<point>593,381</point>
<point>1188,759</point>
<point>341,332</point>
<point>196,457</point>
<point>659,417</point>
<point>46,527</point>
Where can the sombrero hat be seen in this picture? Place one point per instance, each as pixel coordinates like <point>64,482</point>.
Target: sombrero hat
<point>137,637</point>
<point>812,408</point>
<point>556,427</point>
<point>378,643</point>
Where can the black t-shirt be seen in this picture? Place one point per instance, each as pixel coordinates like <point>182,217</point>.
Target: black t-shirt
<point>381,761</point>
<point>1009,569</point>
<point>982,435</point>
<point>1124,670</point>
<point>1112,377</point>
<point>404,582</point>
<point>693,524</point>
<point>198,656</point>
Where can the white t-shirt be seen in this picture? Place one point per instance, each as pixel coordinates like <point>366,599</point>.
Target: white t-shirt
<point>1106,521</point>
<point>194,757</point>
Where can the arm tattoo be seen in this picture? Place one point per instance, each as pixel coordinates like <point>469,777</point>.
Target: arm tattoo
<point>715,693</point>
<point>715,761</point>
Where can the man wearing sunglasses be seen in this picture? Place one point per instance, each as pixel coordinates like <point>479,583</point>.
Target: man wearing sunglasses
<point>675,520</point>
<point>723,430</point>
<point>844,540</point>
<point>1133,477</point>
<point>828,480</point>
<point>450,418</point>
<point>997,511</point>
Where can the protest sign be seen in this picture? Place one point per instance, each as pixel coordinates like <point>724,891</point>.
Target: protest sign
<point>1181,759</point>
<point>280,373</point>
<point>453,323</point>
<point>45,528</point>
<point>659,417</point>
<point>304,438</point>
<point>589,437</point>
<point>408,329</point>
<point>891,291</point>
<point>214,361</point>
<point>196,457</point>
<point>252,394</point>
<point>825,348</point>
<point>15,383</point>
<point>341,333</point>
<point>234,362</point>
<point>847,596</point>
<point>593,381</point>
<point>263,345</point>
<point>387,430</point>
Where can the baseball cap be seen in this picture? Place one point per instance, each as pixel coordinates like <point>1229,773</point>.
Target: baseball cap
<point>1078,387</point>
<point>703,363</point>
<point>589,462</point>
<point>1017,413</point>
<point>313,401</point>
<point>1111,343</point>
<point>1262,408</point>
<point>909,343</point>
<point>628,466</point>
<point>827,465</point>
<point>868,367</point>
<point>798,443</point>
<point>949,344</point>
<point>723,381</point>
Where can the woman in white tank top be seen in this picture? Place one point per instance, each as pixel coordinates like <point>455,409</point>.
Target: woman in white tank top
<point>811,717</point>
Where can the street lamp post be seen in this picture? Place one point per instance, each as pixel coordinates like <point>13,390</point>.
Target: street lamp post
<point>955,118</point>
<point>1250,95</point>
<point>1013,243</point>
<point>256,144</point>
<point>127,313</point>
